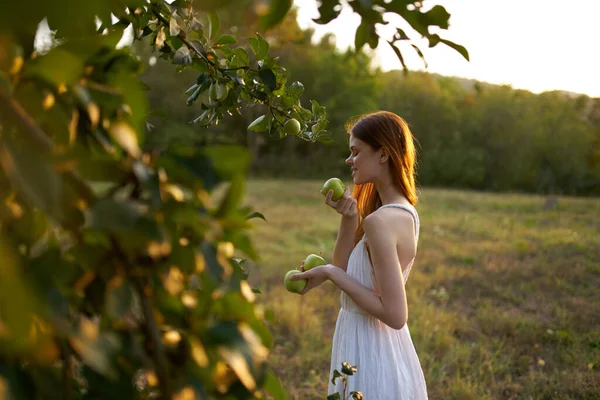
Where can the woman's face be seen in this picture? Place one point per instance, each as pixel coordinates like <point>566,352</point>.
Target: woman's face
<point>366,163</point>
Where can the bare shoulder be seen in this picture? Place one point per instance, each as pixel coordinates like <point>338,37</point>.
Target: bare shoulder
<point>392,220</point>
<point>390,234</point>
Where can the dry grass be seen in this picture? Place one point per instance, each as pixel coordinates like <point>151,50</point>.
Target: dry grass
<point>504,298</point>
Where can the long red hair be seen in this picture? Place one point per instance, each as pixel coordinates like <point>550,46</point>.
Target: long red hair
<point>384,129</point>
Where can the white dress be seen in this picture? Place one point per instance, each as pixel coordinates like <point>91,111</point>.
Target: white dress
<point>388,367</point>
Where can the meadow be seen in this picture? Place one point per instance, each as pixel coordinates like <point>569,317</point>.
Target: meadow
<point>504,296</point>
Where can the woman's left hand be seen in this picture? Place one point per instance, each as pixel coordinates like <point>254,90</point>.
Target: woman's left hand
<point>315,276</point>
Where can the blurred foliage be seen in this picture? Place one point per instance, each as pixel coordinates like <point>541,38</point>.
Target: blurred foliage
<point>123,274</point>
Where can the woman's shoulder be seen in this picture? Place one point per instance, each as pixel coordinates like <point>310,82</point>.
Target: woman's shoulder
<point>390,219</point>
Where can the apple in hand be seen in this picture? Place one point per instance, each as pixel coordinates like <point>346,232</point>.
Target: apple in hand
<point>294,286</point>
<point>312,261</point>
<point>336,185</point>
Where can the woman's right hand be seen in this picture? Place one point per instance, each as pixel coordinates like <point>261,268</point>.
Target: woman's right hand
<point>346,205</point>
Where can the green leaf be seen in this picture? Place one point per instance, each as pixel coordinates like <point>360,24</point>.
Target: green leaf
<point>415,18</point>
<point>420,53</point>
<point>174,28</point>
<point>199,89</point>
<point>233,198</point>
<point>260,124</point>
<point>242,56</point>
<point>319,126</point>
<point>242,241</point>
<point>209,252</point>
<point>268,78</point>
<point>97,353</point>
<point>328,10</point>
<point>136,98</point>
<point>259,46</point>
<point>226,39</point>
<point>437,16</point>
<point>356,395</point>
<point>335,396</point>
<point>256,214</point>
<point>336,374</point>
<point>57,66</point>
<point>276,13</point>
<point>361,36</point>
<point>262,48</point>
<point>213,24</point>
<point>401,35</point>
<point>33,176</point>
<point>253,42</point>
<point>317,110</point>
<point>199,48</point>
<point>365,33</point>
<point>188,167</point>
<point>18,301</point>
<point>399,55</point>
<point>192,88</point>
<point>228,161</point>
<point>273,386</point>
<point>295,89</point>
<point>182,56</point>
<point>122,133</point>
<point>348,369</point>
<point>111,215</point>
<point>461,49</point>
<point>184,257</point>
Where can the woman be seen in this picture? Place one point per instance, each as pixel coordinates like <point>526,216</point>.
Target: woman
<point>374,252</point>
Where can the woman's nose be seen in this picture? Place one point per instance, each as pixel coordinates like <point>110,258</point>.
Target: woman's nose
<point>349,160</point>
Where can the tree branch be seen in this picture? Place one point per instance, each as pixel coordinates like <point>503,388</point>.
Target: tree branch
<point>152,331</point>
<point>183,39</point>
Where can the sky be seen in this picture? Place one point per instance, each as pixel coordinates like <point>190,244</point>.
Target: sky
<point>537,45</point>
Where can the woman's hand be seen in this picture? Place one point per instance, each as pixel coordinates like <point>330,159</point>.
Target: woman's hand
<point>346,205</point>
<point>315,276</point>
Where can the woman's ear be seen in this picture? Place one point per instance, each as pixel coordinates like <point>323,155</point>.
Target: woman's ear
<point>384,156</point>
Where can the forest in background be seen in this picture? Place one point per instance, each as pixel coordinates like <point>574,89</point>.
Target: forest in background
<point>471,135</point>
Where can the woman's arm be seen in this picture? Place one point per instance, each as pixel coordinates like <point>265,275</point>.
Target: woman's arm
<point>346,207</point>
<point>345,241</point>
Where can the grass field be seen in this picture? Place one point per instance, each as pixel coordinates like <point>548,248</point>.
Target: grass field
<point>504,297</point>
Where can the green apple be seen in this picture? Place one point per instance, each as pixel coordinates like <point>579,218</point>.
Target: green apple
<point>294,286</point>
<point>336,185</point>
<point>291,127</point>
<point>312,261</point>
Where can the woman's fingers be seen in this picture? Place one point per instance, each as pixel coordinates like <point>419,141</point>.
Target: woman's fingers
<point>306,288</point>
<point>296,277</point>
<point>328,197</point>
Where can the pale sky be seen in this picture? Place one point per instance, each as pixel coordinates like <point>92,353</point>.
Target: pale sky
<point>536,45</point>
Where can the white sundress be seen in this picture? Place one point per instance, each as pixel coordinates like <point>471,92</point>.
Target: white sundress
<point>388,367</point>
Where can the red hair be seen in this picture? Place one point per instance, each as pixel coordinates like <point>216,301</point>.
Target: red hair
<point>383,129</point>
